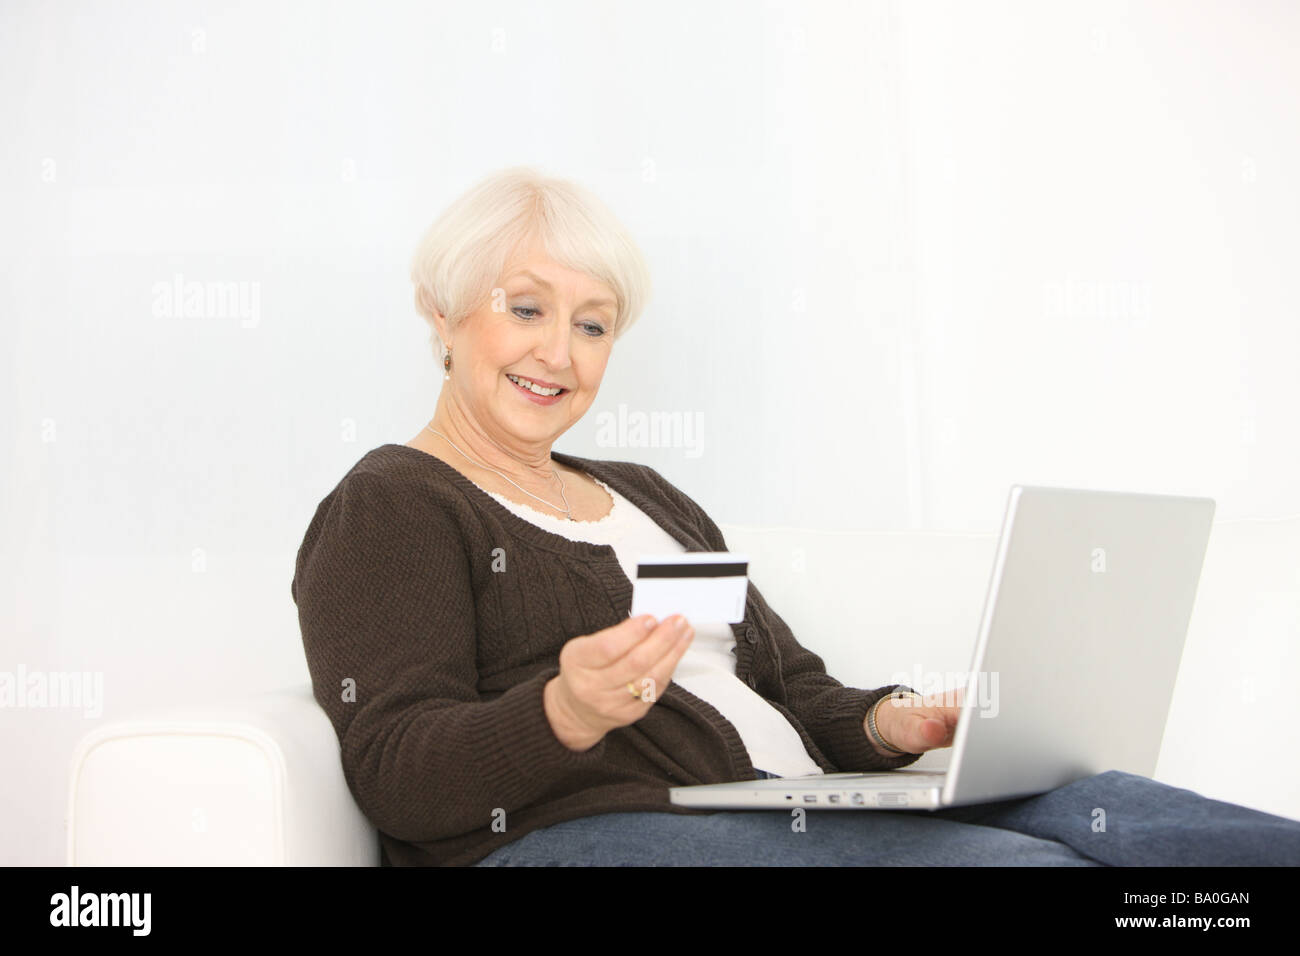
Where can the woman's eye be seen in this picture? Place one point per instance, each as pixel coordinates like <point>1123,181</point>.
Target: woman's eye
<point>593,330</point>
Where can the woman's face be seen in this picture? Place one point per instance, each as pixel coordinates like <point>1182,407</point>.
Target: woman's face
<point>543,322</point>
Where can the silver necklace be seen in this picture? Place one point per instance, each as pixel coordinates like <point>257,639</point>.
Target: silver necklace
<point>568,511</point>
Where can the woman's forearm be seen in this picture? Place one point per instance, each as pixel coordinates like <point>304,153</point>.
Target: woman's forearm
<point>568,730</point>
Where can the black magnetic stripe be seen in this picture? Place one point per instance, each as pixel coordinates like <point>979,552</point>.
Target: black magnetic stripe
<point>691,570</point>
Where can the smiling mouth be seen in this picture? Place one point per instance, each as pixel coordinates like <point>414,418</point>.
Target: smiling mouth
<point>531,386</point>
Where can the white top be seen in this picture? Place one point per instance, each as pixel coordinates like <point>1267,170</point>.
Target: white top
<point>708,668</point>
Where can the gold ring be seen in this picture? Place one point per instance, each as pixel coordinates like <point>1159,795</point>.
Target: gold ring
<point>632,690</point>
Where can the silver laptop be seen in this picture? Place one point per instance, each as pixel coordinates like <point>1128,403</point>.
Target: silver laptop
<point>1074,665</point>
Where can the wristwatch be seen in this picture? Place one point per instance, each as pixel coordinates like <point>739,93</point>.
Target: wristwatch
<point>873,732</point>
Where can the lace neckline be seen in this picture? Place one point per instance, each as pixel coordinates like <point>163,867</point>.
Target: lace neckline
<point>614,512</point>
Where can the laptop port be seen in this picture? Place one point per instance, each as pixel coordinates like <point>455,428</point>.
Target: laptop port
<point>859,800</point>
<point>834,798</point>
<point>809,798</point>
<point>891,799</point>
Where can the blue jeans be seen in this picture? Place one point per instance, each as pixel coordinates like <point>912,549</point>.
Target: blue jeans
<point>1145,824</point>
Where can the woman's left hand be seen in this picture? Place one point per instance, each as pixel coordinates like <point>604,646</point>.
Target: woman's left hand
<point>918,725</point>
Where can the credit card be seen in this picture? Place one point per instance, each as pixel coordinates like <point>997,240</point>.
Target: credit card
<point>706,587</point>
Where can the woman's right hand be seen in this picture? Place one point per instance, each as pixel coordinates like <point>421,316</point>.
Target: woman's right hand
<point>590,696</point>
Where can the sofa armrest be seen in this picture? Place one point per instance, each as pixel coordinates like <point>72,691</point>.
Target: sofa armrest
<point>254,781</point>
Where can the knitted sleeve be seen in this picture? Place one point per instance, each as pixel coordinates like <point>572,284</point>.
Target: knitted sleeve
<point>386,608</point>
<point>833,715</point>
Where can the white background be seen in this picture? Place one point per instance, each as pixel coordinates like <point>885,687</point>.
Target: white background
<point>905,254</point>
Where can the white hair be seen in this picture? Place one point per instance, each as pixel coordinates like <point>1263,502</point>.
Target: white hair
<point>461,256</point>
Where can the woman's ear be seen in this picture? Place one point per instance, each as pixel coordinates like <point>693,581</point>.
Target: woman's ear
<point>440,325</point>
<point>430,310</point>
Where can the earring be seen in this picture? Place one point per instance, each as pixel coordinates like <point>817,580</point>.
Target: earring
<point>446,366</point>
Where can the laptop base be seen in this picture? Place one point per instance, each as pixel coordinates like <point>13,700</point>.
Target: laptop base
<point>887,790</point>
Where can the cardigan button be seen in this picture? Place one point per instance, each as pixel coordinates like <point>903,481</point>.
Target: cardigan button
<point>750,634</point>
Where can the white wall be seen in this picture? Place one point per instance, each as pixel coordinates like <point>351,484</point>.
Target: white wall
<point>904,255</point>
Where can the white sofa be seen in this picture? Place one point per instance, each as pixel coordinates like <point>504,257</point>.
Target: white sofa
<point>257,780</point>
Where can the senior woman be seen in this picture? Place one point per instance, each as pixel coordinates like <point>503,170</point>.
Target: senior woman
<point>464,603</point>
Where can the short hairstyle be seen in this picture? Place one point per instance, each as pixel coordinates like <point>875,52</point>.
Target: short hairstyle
<point>461,256</point>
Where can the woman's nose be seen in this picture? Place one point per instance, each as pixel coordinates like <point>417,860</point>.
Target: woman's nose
<point>554,347</point>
